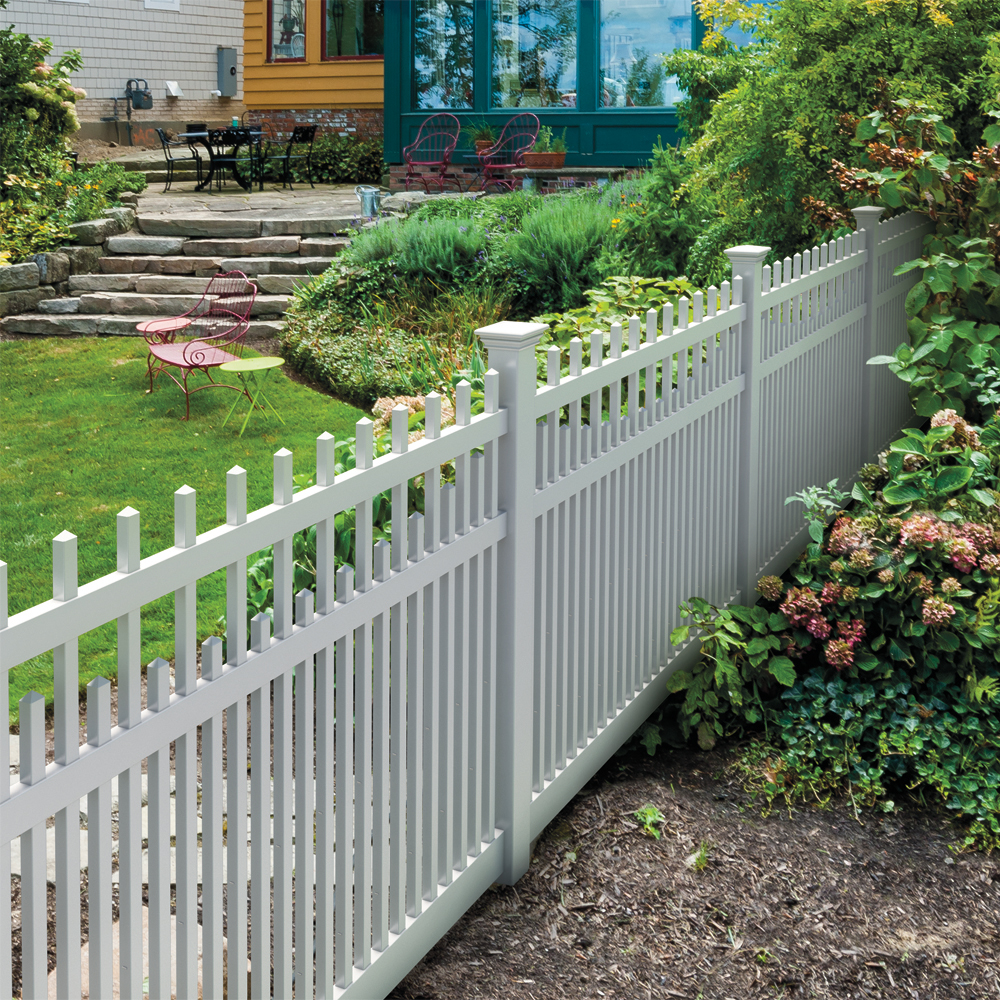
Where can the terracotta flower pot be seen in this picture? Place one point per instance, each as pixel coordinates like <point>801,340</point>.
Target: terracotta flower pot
<point>482,144</point>
<point>544,161</point>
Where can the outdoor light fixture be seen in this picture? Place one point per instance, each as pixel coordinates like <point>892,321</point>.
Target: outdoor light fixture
<point>337,15</point>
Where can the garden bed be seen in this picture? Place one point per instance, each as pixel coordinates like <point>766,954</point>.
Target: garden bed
<point>726,904</point>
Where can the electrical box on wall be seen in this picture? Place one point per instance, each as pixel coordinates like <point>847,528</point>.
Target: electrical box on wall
<point>227,72</point>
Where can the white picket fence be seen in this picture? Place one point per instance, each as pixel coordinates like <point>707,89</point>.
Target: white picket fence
<point>463,683</point>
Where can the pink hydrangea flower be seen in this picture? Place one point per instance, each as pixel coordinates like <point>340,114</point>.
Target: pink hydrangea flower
<point>852,632</point>
<point>818,626</point>
<point>839,653</point>
<point>949,585</point>
<point>800,605</point>
<point>885,576</point>
<point>922,531</point>
<point>963,555</point>
<point>770,587</point>
<point>990,563</point>
<point>937,611</point>
<point>964,434</point>
<point>845,536</point>
<point>830,593</point>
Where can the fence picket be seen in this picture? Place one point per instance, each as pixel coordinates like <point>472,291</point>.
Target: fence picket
<point>305,727</point>
<point>158,776</point>
<point>212,832</point>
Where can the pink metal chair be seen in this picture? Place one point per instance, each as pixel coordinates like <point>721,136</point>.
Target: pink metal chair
<point>431,150</point>
<point>216,327</point>
<point>507,153</point>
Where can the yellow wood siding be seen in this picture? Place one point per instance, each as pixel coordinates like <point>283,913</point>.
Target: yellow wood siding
<point>311,84</point>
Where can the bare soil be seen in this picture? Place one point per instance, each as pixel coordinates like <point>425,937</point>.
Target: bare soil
<point>727,905</point>
<point>92,150</point>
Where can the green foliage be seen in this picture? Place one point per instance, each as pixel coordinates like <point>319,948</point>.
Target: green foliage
<point>659,219</point>
<point>791,102</point>
<point>742,665</point>
<point>37,103</point>
<point>704,75</point>
<point>545,143</point>
<point>339,159</point>
<point>954,307</point>
<point>898,728</point>
<point>36,211</point>
<point>650,819</point>
<point>554,256</point>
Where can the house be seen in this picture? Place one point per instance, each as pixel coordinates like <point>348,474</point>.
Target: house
<point>188,55</point>
<point>591,67</point>
<point>316,61</point>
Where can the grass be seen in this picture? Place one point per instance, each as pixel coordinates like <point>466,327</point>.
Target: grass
<point>82,440</point>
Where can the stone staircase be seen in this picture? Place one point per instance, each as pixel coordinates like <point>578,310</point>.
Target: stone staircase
<point>162,267</point>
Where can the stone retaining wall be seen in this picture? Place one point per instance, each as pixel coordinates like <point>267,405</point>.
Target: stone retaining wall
<point>46,275</point>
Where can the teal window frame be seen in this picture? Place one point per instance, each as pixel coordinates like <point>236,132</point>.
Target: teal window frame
<point>595,136</point>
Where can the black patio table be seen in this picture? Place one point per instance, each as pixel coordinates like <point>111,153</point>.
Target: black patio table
<point>223,147</point>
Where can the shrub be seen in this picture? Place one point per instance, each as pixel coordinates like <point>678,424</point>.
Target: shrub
<point>887,621</point>
<point>954,308</point>
<point>769,139</point>
<point>37,103</point>
<point>340,159</point>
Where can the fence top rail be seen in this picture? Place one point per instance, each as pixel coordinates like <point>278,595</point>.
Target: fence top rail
<point>564,390</point>
<point>777,285</point>
<point>40,628</point>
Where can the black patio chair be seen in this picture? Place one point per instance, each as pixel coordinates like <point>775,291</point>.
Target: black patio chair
<point>302,135</point>
<point>169,146</point>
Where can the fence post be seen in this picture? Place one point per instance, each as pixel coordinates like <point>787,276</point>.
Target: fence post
<point>748,264</point>
<point>867,221</point>
<point>511,349</point>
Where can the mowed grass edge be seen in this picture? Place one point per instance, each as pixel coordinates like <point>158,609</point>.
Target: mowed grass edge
<point>83,439</point>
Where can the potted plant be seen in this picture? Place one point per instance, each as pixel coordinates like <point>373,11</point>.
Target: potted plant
<point>548,153</point>
<point>480,133</point>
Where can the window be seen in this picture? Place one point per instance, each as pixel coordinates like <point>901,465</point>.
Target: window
<point>353,28</point>
<point>534,53</point>
<point>442,54</point>
<point>286,29</point>
<point>635,35</point>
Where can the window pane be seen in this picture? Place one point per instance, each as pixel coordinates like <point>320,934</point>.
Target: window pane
<point>442,54</point>
<point>354,28</point>
<point>288,40</point>
<point>635,35</point>
<point>534,53</point>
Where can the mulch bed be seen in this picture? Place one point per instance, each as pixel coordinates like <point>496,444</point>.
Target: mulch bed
<point>818,904</point>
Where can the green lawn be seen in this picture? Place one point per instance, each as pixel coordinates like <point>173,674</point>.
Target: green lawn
<point>82,439</point>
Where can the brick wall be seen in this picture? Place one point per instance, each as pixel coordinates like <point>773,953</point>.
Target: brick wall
<point>366,123</point>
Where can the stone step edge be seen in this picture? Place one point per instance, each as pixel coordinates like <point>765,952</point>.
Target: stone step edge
<point>261,327</point>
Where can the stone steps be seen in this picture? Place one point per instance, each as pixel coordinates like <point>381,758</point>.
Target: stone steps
<point>246,225</point>
<point>162,266</point>
<point>136,304</point>
<point>106,324</point>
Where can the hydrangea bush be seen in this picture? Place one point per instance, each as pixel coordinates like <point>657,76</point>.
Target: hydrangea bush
<point>874,661</point>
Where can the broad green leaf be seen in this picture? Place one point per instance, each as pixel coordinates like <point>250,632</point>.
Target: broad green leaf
<point>862,494</point>
<point>782,670</point>
<point>917,298</point>
<point>868,130</point>
<point>757,645</point>
<point>951,479</point>
<point>882,359</point>
<point>927,403</point>
<point>679,634</point>
<point>777,621</point>
<point>816,531</point>
<point>910,265</point>
<point>983,497</point>
<point>991,135</point>
<point>948,641</point>
<point>680,680</point>
<point>902,494</point>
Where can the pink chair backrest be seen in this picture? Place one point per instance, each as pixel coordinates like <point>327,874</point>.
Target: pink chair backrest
<point>517,137</point>
<point>436,140</point>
